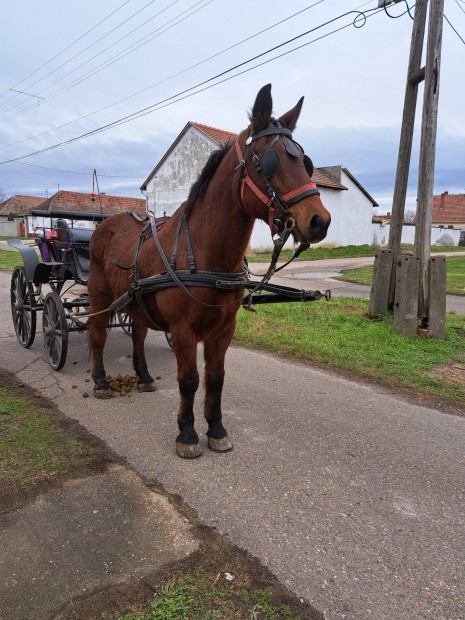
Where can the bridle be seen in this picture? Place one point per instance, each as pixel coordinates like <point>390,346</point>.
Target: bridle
<point>267,166</point>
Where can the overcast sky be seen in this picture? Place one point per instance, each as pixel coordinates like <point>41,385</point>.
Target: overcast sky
<point>84,65</point>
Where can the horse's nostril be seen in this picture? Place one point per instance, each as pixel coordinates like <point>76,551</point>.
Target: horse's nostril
<point>317,223</point>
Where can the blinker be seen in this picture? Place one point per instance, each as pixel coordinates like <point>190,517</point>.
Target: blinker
<point>308,165</point>
<point>270,162</point>
<point>291,147</point>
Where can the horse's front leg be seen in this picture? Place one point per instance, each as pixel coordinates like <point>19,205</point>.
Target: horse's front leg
<point>215,350</point>
<point>185,349</point>
<point>145,382</point>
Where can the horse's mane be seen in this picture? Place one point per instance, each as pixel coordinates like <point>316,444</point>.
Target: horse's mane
<point>199,188</point>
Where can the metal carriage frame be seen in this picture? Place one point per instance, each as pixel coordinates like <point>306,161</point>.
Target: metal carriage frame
<point>64,251</point>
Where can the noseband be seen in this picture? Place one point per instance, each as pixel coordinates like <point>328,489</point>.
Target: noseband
<point>267,166</point>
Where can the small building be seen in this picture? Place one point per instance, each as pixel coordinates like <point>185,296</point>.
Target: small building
<point>167,187</point>
<point>14,213</point>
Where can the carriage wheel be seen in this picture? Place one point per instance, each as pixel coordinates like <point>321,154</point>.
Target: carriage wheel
<point>125,322</point>
<point>22,307</point>
<point>55,329</point>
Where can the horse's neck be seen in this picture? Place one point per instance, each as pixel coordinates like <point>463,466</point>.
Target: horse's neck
<point>220,228</point>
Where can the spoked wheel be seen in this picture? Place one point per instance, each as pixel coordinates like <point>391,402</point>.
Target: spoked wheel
<point>55,329</point>
<point>125,322</point>
<point>22,307</point>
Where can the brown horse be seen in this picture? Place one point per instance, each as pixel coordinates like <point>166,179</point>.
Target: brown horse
<point>221,209</point>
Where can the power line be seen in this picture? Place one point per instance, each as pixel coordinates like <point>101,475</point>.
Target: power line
<point>110,176</point>
<point>187,92</point>
<point>197,64</point>
<point>67,47</point>
<point>93,44</point>
<point>456,32</point>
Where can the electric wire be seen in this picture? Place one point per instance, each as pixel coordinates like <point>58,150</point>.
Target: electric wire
<point>67,47</point>
<point>197,64</point>
<point>197,88</point>
<point>95,43</point>
<point>456,32</point>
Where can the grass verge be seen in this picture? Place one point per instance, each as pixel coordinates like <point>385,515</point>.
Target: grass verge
<point>33,447</point>
<point>347,251</point>
<point>214,590</point>
<point>340,335</point>
<point>9,260</point>
<point>455,283</point>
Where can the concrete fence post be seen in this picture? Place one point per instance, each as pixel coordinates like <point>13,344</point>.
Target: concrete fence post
<point>437,297</point>
<point>380,283</point>
<point>406,299</point>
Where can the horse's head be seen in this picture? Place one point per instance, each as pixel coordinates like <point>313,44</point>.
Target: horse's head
<point>276,174</point>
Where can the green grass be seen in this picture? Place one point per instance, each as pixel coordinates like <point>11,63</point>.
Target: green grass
<point>32,446</point>
<point>9,260</point>
<point>347,251</point>
<point>202,595</point>
<point>455,283</point>
<point>340,335</point>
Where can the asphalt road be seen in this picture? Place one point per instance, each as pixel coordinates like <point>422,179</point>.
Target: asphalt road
<point>351,495</point>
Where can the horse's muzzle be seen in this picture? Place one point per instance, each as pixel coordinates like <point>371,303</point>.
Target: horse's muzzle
<point>318,227</point>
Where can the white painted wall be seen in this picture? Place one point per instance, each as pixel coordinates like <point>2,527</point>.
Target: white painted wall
<point>439,235</point>
<point>351,211</point>
<point>170,186</point>
<point>8,229</point>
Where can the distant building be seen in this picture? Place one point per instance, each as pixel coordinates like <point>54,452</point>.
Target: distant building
<point>22,206</point>
<point>167,187</point>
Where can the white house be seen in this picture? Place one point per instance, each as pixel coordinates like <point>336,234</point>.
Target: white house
<point>168,185</point>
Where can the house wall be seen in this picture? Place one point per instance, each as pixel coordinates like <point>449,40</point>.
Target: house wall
<point>169,188</point>
<point>439,235</point>
<point>261,234</point>
<point>351,211</point>
<point>351,214</point>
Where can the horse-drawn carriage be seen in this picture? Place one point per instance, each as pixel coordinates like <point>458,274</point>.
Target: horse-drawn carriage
<point>53,280</point>
<point>187,278</point>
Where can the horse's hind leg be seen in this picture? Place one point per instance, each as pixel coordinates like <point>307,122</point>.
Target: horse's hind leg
<point>100,299</point>
<point>145,382</point>
<point>215,350</point>
<point>185,348</point>
<point>97,338</point>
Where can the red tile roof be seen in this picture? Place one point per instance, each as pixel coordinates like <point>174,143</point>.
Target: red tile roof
<point>449,209</point>
<point>221,136</point>
<point>20,205</point>
<point>218,135</point>
<point>75,201</point>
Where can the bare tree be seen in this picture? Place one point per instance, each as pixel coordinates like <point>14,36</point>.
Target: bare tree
<point>410,216</point>
<point>3,196</point>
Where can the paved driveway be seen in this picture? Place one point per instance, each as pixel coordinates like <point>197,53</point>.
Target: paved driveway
<point>352,496</point>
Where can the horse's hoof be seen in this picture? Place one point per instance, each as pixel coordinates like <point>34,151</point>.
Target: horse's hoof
<point>220,445</point>
<point>146,387</point>
<point>188,450</point>
<point>103,392</point>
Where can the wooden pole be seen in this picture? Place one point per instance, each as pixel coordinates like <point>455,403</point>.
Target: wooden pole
<point>414,75</point>
<point>428,152</point>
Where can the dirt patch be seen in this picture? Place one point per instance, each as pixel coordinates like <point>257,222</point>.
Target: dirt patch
<point>452,372</point>
<point>216,557</point>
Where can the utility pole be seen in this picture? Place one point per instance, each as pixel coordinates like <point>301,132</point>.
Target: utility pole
<point>428,154</point>
<point>394,277</point>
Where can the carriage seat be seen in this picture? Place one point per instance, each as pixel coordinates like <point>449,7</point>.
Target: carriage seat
<point>73,246</point>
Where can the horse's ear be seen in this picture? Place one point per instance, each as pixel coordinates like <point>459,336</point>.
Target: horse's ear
<point>262,108</point>
<point>289,119</point>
